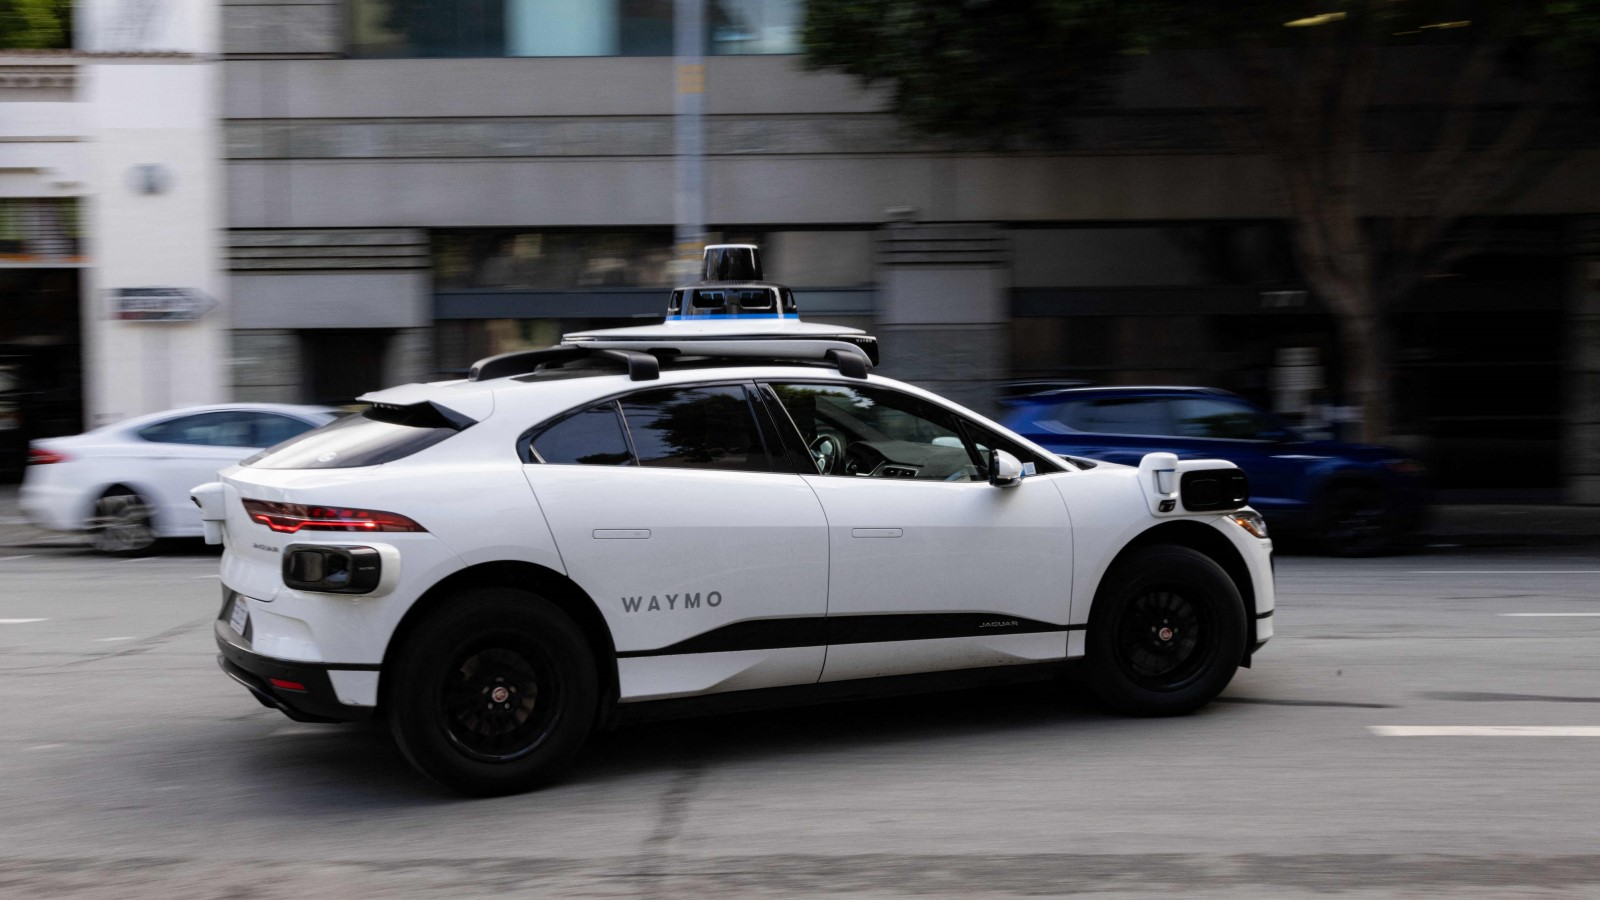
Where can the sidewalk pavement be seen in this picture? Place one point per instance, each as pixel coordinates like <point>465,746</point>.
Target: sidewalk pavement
<point>1464,525</point>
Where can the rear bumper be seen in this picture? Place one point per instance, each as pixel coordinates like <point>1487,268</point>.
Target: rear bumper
<point>49,506</point>
<point>318,702</point>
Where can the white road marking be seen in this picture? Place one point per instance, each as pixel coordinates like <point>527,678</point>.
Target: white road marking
<point>46,746</point>
<point>1504,572</point>
<point>9,558</point>
<point>1485,730</point>
<point>1550,615</point>
<point>202,577</point>
<point>20,621</point>
<point>108,640</point>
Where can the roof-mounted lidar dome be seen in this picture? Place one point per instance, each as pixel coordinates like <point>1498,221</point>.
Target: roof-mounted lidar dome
<point>731,262</point>
<point>730,311</point>
<point>730,285</point>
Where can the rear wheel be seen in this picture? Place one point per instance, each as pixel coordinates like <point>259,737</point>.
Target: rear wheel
<point>122,523</point>
<point>494,694</point>
<point>1166,634</point>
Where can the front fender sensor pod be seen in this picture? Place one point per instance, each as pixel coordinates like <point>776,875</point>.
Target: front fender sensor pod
<point>1172,486</point>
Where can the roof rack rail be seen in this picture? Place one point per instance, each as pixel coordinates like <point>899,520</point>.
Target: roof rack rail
<point>641,366</point>
<point>851,354</point>
<point>643,356</point>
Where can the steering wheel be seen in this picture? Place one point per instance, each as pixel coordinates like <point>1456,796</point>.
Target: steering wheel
<point>826,450</point>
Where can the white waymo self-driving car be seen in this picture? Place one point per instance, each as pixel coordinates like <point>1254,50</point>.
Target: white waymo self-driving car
<point>727,508</point>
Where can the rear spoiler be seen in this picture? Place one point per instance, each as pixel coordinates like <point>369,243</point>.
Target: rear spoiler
<point>426,414</point>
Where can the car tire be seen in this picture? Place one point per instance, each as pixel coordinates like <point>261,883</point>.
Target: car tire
<point>1355,520</point>
<point>122,524</point>
<point>529,667</point>
<point>1166,635</point>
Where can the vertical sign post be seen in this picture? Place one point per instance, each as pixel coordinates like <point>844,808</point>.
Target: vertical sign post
<point>689,212</point>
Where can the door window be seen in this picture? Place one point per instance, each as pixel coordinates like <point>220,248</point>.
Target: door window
<point>696,428</point>
<point>1108,415</point>
<point>267,429</point>
<point>1211,417</point>
<point>593,437</point>
<point>216,429</point>
<point>871,432</point>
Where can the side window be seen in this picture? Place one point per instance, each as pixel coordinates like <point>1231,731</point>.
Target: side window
<point>217,429</point>
<point>593,437</point>
<point>1208,417</point>
<point>986,439</point>
<point>1133,415</point>
<point>696,428</point>
<point>872,432</point>
<point>1065,417</point>
<point>268,429</point>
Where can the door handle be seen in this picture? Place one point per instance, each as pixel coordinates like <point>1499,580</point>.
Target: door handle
<point>875,532</point>
<point>622,534</point>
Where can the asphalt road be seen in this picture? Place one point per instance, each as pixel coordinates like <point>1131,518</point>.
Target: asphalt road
<point>130,767</point>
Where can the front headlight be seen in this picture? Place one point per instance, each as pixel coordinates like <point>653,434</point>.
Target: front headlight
<point>1251,522</point>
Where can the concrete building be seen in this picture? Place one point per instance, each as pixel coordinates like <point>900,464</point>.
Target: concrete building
<point>413,185</point>
<point>110,222</point>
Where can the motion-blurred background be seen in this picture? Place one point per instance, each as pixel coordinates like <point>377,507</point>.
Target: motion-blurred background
<point>1379,220</point>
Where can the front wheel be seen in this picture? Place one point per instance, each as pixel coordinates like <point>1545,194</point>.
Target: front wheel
<point>494,694</point>
<point>1166,634</point>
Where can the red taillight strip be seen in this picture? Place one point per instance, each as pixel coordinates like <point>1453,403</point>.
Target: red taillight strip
<point>38,456</point>
<point>286,685</point>
<point>288,518</point>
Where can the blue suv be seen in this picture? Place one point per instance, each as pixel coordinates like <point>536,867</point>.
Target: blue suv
<point>1351,498</point>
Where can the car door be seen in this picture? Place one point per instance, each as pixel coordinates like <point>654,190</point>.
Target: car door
<point>709,562</point>
<point>931,566</point>
<point>185,451</point>
<point>189,450</point>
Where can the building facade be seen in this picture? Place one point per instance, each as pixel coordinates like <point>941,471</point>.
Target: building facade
<point>415,184</point>
<point>112,289</point>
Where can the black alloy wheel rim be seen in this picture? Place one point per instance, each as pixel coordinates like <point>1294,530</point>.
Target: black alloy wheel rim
<point>1164,638</point>
<point>499,699</point>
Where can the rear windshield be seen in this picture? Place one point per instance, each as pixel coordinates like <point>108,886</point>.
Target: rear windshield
<point>367,438</point>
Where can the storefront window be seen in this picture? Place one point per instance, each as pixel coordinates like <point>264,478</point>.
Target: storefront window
<point>584,260</point>
<point>40,230</point>
<point>552,261</point>
<point>478,28</point>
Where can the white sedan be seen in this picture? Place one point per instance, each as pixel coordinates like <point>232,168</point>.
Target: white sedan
<point>127,484</point>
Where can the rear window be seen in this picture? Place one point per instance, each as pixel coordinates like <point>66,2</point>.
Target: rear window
<point>369,438</point>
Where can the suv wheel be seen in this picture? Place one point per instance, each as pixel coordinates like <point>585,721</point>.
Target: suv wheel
<point>1355,521</point>
<point>1166,634</point>
<point>494,694</point>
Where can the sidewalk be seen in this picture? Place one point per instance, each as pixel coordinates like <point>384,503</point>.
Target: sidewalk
<point>1485,525</point>
<point>1508,525</point>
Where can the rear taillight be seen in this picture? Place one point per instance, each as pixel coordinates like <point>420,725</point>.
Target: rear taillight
<point>38,456</point>
<point>289,518</point>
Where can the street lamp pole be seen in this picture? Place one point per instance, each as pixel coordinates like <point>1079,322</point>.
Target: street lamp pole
<point>689,212</point>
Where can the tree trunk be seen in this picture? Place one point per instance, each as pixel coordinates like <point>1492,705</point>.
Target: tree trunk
<point>1367,375</point>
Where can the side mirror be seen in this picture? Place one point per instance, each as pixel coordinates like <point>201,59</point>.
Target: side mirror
<point>1004,469</point>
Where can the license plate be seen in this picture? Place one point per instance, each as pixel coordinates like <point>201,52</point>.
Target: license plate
<point>240,617</point>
